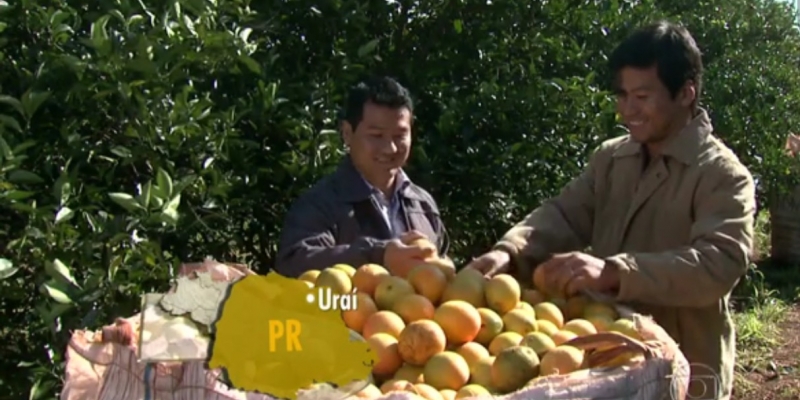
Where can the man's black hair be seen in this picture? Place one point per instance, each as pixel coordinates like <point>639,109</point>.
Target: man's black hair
<point>382,91</point>
<point>669,47</point>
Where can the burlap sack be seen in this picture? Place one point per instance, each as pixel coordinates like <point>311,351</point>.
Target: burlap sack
<point>103,366</point>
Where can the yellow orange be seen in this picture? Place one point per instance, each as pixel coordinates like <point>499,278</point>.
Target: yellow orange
<point>504,341</point>
<point>549,312</point>
<point>428,280</point>
<point>367,277</point>
<point>460,321</point>
<point>335,279</point>
<point>385,347</point>
<point>408,372</point>
<point>580,327</point>
<point>383,322</point>
<point>446,370</point>
<point>420,341</point>
<point>561,361</point>
<point>468,285</point>
<point>502,293</point>
<point>472,352</point>
<point>309,276</point>
<point>491,326</point>
<point>356,318</point>
<point>562,337</point>
<point>520,321</point>
<point>389,290</point>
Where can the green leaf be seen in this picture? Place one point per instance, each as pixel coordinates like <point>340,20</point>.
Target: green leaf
<point>169,216</point>
<point>122,152</point>
<point>113,266</point>
<point>10,101</point>
<point>32,100</point>
<point>173,203</point>
<point>458,25</point>
<point>144,196</point>
<point>62,189</point>
<point>251,64</point>
<point>58,270</point>
<point>164,183</point>
<point>7,269</point>
<point>10,122</point>
<point>36,391</point>
<point>57,294</point>
<point>5,150</point>
<point>125,201</point>
<point>21,177</point>
<point>64,214</point>
<point>170,211</point>
<point>99,34</point>
<point>368,47</point>
<point>133,21</point>
<point>16,195</point>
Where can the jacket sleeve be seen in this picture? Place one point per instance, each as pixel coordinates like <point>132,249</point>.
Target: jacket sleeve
<point>561,224</point>
<point>308,242</point>
<point>443,243</point>
<point>442,235</point>
<point>721,243</point>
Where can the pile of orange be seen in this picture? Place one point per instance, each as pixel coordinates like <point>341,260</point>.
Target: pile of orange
<point>444,336</point>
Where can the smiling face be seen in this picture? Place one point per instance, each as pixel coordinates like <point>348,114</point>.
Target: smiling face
<point>648,109</point>
<point>381,142</point>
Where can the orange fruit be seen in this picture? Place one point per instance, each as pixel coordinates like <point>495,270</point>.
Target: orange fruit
<point>413,307</point>
<point>460,321</point>
<point>383,322</point>
<point>356,318</point>
<point>420,341</point>
<point>367,277</point>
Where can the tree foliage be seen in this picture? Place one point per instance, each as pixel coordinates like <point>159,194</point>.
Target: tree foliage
<point>135,134</point>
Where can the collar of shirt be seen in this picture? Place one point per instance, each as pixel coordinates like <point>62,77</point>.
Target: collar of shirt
<point>400,184</point>
<point>390,208</point>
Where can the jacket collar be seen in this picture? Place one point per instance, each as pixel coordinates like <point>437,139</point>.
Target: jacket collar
<point>685,147</point>
<point>353,187</point>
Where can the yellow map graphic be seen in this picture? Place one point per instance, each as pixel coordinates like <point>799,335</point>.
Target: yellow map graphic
<point>272,340</point>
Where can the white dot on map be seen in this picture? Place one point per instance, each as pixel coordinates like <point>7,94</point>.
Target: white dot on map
<point>310,298</point>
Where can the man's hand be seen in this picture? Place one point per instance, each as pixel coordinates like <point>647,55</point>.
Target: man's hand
<point>400,258</point>
<point>412,236</point>
<point>492,263</point>
<point>571,273</point>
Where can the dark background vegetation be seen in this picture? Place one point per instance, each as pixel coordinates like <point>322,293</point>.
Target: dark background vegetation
<point>135,134</point>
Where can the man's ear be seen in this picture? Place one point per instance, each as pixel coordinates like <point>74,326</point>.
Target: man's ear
<point>688,94</point>
<point>347,132</point>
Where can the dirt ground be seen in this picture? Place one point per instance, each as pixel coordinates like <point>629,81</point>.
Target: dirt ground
<point>779,378</point>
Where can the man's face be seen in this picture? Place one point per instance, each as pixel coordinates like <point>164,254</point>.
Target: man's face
<point>646,106</point>
<point>382,141</point>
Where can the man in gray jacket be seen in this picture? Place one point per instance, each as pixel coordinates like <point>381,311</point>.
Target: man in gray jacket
<point>366,210</point>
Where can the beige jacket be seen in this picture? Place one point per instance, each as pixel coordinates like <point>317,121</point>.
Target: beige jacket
<point>680,231</point>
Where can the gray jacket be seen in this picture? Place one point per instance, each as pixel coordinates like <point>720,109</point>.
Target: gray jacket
<point>338,220</point>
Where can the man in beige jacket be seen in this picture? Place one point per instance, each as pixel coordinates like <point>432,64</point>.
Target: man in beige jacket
<point>667,211</point>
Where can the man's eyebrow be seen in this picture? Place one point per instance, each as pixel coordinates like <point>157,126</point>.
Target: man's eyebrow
<point>642,88</point>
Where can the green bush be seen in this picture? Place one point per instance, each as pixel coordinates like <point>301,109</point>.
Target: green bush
<point>134,136</point>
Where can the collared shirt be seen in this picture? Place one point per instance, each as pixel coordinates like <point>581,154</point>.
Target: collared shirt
<point>391,208</point>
